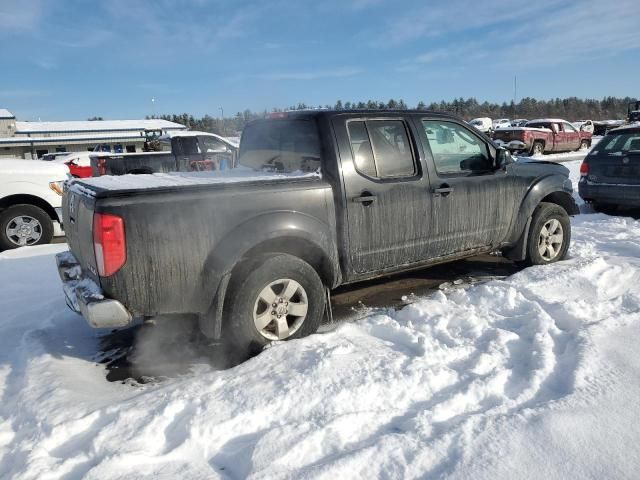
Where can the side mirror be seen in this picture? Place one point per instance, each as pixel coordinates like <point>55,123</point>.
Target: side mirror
<point>503,158</point>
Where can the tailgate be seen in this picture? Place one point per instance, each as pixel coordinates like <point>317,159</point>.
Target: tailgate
<point>77,215</point>
<point>615,169</point>
<point>506,135</point>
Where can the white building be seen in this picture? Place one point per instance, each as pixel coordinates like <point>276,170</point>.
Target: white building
<point>34,139</point>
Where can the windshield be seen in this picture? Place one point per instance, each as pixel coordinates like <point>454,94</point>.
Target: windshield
<point>281,145</point>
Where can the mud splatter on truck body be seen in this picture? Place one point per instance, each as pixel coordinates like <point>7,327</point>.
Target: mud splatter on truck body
<point>356,195</point>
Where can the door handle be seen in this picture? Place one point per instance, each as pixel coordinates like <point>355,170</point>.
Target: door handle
<point>365,199</point>
<point>443,190</point>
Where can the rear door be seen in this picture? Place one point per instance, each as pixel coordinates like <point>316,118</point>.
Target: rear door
<point>473,204</point>
<point>559,138</point>
<point>388,207</point>
<point>572,136</point>
<point>188,154</point>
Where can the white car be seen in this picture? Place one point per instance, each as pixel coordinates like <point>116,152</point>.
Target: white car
<point>30,202</point>
<point>584,125</point>
<point>501,123</point>
<point>483,124</point>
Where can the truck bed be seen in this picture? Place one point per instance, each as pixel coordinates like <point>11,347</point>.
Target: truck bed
<point>175,221</point>
<point>106,185</point>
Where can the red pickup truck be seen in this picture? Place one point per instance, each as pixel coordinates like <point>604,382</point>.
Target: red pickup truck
<point>548,135</point>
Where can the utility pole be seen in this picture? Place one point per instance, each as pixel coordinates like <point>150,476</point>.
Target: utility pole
<point>222,113</point>
<point>153,107</point>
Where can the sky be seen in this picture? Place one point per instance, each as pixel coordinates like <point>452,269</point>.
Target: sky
<point>74,59</point>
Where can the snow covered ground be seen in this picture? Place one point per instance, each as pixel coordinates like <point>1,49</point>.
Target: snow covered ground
<point>532,376</point>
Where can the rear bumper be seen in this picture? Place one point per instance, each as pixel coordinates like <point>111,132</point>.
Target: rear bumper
<point>626,195</point>
<point>85,297</point>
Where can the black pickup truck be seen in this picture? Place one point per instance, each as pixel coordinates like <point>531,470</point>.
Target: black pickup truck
<point>181,151</point>
<point>319,199</point>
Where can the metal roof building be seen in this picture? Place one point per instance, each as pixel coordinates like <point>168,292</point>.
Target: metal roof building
<point>35,139</point>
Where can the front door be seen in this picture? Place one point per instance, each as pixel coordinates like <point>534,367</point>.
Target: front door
<point>572,136</point>
<point>473,203</point>
<point>385,193</point>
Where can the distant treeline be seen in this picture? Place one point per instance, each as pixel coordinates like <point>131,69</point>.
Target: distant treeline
<point>571,109</point>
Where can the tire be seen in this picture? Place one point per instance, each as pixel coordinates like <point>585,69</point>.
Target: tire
<point>24,225</point>
<point>287,282</point>
<point>554,219</point>
<point>537,148</point>
<point>584,144</point>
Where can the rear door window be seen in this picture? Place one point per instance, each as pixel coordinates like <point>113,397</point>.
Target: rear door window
<point>381,148</point>
<point>622,142</point>
<point>361,149</point>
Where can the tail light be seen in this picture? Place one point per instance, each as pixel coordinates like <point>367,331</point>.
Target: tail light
<point>584,169</point>
<point>109,243</point>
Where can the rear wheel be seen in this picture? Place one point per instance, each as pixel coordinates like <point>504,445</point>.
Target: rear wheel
<point>24,225</point>
<point>584,144</point>
<point>549,235</point>
<point>537,148</point>
<point>276,297</point>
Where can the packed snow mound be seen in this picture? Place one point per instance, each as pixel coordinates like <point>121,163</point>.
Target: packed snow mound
<point>464,383</point>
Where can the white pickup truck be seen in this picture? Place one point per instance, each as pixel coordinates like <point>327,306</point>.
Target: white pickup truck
<point>30,202</point>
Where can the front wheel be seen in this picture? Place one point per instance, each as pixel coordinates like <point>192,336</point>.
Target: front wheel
<point>275,297</point>
<point>583,145</point>
<point>549,235</point>
<point>24,225</point>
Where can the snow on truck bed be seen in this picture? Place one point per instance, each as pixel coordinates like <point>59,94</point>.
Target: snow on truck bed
<point>532,376</point>
<point>174,179</point>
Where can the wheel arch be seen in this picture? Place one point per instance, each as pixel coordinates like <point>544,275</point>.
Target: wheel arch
<point>550,190</point>
<point>23,198</point>
<point>295,234</point>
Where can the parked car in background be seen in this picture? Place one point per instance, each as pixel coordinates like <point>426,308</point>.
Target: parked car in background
<point>601,127</point>
<point>501,123</point>
<point>546,135</point>
<point>180,151</point>
<point>319,199</point>
<point>519,122</point>
<point>584,125</point>
<point>79,163</point>
<point>484,124</point>
<point>30,202</point>
<point>610,173</point>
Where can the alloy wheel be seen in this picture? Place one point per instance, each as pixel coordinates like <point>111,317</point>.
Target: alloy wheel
<point>24,230</point>
<point>280,309</point>
<point>550,240</point>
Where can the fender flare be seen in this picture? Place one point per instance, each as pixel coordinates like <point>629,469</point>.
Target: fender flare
<point>277,231</point>
<point>553,186</point>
